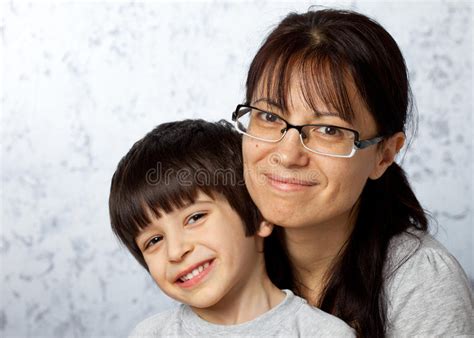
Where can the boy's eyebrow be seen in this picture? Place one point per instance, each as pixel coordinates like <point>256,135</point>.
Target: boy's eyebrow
<point>197,201</point>
<point>139,239</point>
<point>148,227</point>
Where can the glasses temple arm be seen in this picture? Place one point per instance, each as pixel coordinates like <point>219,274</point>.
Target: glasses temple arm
<point>366,143</point>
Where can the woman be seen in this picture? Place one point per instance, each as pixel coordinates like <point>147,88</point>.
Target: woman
<point>327,104</point>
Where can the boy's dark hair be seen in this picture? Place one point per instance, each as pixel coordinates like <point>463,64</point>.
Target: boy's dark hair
<point>168,167</point>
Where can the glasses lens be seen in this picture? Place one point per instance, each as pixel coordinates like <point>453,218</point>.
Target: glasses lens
<point>260,124</point>
<point>328,140</point>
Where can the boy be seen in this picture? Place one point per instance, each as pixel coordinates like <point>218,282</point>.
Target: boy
<point>179,204</point>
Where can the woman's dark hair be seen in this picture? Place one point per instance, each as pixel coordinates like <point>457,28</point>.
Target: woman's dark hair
<point>168,167</point>
<point>327,50</point>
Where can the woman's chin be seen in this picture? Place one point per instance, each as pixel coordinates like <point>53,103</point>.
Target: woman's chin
<point>284,216</point>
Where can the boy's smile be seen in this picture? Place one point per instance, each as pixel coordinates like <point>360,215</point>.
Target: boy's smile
<point>195,274</point>
<point>199,254</point>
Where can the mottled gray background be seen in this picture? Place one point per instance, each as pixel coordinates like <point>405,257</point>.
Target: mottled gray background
<point>81,81</point>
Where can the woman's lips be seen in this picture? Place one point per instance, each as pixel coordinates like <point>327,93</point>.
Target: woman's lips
<point>289,184</point>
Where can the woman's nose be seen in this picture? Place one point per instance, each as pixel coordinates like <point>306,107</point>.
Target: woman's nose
<point>290,151</point>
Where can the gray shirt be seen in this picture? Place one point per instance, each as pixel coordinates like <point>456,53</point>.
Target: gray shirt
<point>427,291</point>
<point>293,317</point>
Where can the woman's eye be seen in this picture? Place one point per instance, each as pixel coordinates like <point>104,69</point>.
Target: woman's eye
<point>268,117</point>
<point>153,241</point>
<point>195,217</point>
<point>329,130</point>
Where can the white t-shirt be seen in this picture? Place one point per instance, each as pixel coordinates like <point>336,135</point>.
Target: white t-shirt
<point>293,317</point>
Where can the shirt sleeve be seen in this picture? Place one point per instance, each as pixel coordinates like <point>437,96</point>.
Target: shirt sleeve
<point>163,324</point>
<point>429,295</point>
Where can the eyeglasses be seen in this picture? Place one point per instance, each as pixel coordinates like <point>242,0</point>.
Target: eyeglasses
<point>321,139</point>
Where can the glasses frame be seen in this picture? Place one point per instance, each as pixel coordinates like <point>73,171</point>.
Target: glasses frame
<point>358,144</point>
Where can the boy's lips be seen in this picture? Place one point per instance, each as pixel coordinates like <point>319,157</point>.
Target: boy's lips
<point>194,274</point>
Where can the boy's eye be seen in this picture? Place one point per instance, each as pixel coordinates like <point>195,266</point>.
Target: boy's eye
<point>153,241</point>
<point>195,217</point>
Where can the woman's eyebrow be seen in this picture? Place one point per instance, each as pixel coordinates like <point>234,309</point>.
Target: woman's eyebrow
<point>319,113</point>
<point>268,101</point>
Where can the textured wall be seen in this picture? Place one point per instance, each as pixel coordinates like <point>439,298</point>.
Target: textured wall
<point>82,81</point>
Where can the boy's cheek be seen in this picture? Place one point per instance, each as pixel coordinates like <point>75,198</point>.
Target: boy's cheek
<point>157,271</point>
<point>157,277</point>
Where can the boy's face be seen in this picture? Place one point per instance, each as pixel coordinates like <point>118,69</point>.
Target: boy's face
<point>199,254</point>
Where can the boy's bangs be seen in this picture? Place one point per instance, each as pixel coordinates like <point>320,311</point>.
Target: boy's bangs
<point>319,78</point>
<point>147,199</point>
<point>169,197</point>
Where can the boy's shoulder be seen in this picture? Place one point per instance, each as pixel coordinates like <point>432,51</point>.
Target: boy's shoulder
<point>163,323</point>
<point>293,317</point>
<point>311,321</point>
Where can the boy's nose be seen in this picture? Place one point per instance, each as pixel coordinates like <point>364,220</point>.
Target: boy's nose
<point>177,248</point>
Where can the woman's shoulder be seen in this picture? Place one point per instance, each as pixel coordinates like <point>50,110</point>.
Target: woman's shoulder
<point>426,286</point>
<point>416,247</point>
<point>415,255</point>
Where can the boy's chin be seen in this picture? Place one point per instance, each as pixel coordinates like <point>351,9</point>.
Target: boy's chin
<point>203,299</point>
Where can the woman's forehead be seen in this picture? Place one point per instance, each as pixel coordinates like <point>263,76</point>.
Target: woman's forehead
<point>297,94</point>
<point>316,88</point>
<point>300,95</point>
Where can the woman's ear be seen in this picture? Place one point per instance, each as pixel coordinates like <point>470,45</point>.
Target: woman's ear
<point>265,229</point>
<point>386,155</point>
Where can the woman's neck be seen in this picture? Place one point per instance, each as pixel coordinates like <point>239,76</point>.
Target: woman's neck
<point>312,252</point>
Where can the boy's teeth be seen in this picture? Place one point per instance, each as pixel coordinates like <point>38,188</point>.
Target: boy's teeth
<point>194,273</point>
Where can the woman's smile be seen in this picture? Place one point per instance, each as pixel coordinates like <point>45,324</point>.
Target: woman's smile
<point>289,184</point>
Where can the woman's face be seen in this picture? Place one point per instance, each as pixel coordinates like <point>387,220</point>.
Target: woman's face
<point>294,187</point>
